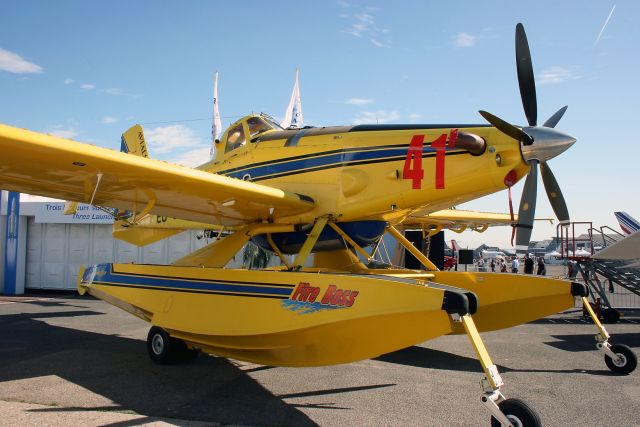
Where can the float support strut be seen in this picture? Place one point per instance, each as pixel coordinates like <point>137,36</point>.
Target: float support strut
<point>409,246</point>
<point>492,380</point>
<point>603,336</point>
<point>308,245</point>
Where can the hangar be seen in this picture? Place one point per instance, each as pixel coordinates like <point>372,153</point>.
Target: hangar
<point>43,249</point>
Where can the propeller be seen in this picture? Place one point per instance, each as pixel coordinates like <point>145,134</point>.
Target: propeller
<point>539,144</point>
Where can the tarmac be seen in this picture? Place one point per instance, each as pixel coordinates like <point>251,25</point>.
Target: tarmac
<point>71,360</point>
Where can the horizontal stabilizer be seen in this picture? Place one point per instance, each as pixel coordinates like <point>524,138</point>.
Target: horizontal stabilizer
<point>152,228</point>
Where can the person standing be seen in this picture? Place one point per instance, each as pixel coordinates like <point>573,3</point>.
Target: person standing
<point>528,264</point>
<point>493,265</point>
<point>542,268</point>
<point>515,264</point>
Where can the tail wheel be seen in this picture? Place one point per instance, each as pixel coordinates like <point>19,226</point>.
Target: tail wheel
<point>625,362</point>
<point>519,413</point>
<point>165,350</point>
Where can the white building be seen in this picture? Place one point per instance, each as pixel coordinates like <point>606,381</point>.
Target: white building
<point>40,248</point>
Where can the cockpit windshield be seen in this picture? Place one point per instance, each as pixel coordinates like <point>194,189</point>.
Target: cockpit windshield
<point>274,124</point>
<point>257,125</point>
<point>235,139</point>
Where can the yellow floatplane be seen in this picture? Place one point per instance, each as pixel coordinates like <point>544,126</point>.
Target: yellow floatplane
<point>330,192</point>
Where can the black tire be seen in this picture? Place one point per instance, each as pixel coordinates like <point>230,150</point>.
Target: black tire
<point>159,346</point>
<point>166,350</point>
<point>627,363</point>
<point>610,315</point>
<point>519,413</point>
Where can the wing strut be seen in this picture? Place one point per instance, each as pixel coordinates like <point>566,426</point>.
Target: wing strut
<point>308,245</point>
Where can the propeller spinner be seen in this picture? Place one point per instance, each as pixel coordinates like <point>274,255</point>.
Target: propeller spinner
<point>538,144</point>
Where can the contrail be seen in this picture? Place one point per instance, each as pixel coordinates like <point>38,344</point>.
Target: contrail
<point>605,25</point>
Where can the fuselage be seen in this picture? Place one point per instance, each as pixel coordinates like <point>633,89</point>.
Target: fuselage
<point>374,172</point>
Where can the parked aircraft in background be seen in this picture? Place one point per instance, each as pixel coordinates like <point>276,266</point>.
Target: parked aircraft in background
<point>628,224</point>
<point>488,254</point>
<point>626,249</point>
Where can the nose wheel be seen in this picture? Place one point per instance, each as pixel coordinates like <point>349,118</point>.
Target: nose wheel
<point>504,412</point>
<point>518,413</point>
<point>619,358</point>
<point>624,360</point>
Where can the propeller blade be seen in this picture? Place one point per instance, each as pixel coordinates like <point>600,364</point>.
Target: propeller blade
<point>507,128</point>
<point>554,193</point>
<point>527,209</point>
<point>526,80</point>
<point>553,120</point>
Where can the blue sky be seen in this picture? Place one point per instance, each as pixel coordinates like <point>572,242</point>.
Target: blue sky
<point>89,70</point>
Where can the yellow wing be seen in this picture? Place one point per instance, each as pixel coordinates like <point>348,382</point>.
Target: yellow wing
<point>461,220</point>
<point>45,165</point>
<point>458,220</point>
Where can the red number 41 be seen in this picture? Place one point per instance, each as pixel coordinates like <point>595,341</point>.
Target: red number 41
<point>413,162</point>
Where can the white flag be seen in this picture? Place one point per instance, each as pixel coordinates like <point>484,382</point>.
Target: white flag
<point>216,125</point>
<point>293,116</point>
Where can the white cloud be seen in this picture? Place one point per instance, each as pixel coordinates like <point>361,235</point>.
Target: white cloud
<point>193,158</point>
<point>69,81</point>
<point>359,101</point>
<point>556,75</point>
<point>415,116</point>
<point>378,117</point>
<point>343,4</point>
<point>87,86</point>
<point>14,63</point>
<point>107,120</point>
<point>115,91</point>
<point>165,139</point>
<point>59,131</point>
<point>464,40</point>
<point>378,43</point>
<point>364,24</point>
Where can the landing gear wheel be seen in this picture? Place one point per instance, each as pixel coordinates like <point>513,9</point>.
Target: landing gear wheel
<point>626,361</point>
<point>610,315</point>
<point>165,350</point>
<point>519,413</point>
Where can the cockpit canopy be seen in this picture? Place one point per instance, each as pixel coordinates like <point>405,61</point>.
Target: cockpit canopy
<point>253,125</point>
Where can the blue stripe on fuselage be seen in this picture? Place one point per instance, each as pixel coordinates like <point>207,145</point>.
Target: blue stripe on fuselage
<point>104,275</point>
<point>324,161</point>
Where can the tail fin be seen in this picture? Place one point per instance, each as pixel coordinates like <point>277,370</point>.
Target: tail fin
<point>132,142</point>
<point>140,235</point>
<point>150,228</point>
<point>454,245</point>
<point>628,224</point>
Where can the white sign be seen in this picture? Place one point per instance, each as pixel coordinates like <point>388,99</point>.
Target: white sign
<point>53,212</point>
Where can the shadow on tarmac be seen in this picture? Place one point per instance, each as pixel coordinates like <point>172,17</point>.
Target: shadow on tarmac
<point>118,368</point>
<point>421,357</point>
<point>576,343</point>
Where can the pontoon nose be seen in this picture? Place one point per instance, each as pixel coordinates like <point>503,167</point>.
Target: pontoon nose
<point>547,143</point>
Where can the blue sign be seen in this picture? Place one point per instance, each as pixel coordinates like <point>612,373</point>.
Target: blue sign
<point>11,243</point>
